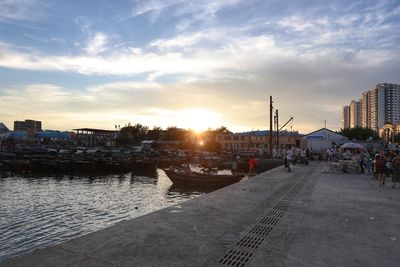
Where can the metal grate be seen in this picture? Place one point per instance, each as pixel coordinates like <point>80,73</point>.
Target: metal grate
<point>288,197</point>
<point>261,230</point>
<point>250,242</point>
<point>275,213</point>
<point>284,202</point>
<point>235,258</point>
<point>281,207</point>
<point>269,220</point>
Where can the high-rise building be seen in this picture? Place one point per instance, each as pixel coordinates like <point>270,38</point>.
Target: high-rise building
<point>346,117</point>
<point>381,105</point>
<point>366,109</point>
<point>355,114</point>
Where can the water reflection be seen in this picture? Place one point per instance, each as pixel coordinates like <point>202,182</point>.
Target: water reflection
<point>46,210</point>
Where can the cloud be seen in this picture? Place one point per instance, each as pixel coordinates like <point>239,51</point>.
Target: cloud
<point>179,41</point>
<point>151,6</point>
<point>193,11</point>
<point>17,9</point>
<point>97,44</point>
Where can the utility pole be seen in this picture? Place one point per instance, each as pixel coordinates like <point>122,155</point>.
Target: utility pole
<point>277,130</point>
<point>270,125</point>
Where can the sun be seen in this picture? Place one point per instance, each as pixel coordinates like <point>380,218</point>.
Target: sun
<point>199,119</point>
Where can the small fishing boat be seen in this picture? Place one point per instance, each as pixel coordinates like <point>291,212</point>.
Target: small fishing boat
<point>180,177</point>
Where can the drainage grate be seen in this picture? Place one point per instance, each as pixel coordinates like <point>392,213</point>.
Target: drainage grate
<point>269,220</point>
<point>285,202</point>
<point>261,230</point>
<point>275,213</point>
<point>250,242</point>
<point>281,207</point>
<point>289,196</point>
<point>238,258</point>
<point>235,258</point>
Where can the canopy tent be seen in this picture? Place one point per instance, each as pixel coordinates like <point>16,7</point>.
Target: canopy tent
<point>351,145</point>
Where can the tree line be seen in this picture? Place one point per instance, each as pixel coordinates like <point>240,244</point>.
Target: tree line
<point>206,140</point>
<point>359,133</point>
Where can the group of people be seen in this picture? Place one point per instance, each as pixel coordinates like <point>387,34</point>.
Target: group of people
<point>385,164</point>
<point>290,156</point>
<point>380,164</point>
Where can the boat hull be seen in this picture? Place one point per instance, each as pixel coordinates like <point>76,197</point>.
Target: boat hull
<point>202,179</point>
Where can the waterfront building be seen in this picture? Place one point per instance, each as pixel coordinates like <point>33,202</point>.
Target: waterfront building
<point>95,137</point>
<point>256,140</point>
<point>321,140</point>
<point>346,117</point>
<point>31,127</point>
<point>27,124</point>
<point>49,136</point>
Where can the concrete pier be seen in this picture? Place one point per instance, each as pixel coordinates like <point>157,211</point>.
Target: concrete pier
<point>302,218</point>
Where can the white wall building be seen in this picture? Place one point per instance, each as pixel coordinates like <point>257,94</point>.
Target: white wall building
<point>322,139</point>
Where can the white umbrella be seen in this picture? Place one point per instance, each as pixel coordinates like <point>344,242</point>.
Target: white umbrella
<point>351,145</point>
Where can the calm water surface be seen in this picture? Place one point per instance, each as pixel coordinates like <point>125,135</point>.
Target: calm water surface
<point>37,212</point>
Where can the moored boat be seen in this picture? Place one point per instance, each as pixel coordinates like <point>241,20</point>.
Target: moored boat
<point>179,177</point>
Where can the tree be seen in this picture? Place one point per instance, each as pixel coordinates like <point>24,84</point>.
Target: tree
<point>222,130</point>
<point>175,134</point>
<point>155,133</point>
<point>359,133</point>
<point>132,135</point>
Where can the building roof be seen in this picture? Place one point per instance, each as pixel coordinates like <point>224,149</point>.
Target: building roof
<point>321,130</point>
<point>52,134</point>
<point>17,134</point>
<point>266,132</point>
<point>325,129</point>
<point>3,127</point>
<point>96,130</point>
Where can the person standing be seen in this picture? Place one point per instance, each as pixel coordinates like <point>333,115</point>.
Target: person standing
<point>380,167</point>
<point>284,154</point>
<point>234,167</point>
<point>396,169</point>
<point>361,161</point>
<point>368,162</point>
<point>252,166</point>
<point>289,157</point>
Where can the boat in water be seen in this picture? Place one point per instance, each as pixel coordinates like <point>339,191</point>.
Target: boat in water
<point>178,176</point>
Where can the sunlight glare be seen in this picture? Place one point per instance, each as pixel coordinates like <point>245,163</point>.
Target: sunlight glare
<point>199,119</point>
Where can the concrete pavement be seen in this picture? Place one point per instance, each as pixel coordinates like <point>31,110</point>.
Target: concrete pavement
<point>302,218</point>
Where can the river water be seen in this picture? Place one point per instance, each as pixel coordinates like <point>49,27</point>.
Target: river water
<point>38,212</point>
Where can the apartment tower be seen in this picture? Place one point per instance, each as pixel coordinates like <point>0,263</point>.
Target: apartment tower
<point>346,117</point>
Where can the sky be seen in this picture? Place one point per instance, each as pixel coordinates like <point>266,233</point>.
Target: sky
<point>192,64</point>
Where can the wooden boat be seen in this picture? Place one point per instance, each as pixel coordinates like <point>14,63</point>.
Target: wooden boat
<point>178,177</point>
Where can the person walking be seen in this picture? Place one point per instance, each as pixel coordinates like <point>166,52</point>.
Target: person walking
<point>380,167</point>
<point>289,157</point>
<point>368,162</point>
<point>396,169</point>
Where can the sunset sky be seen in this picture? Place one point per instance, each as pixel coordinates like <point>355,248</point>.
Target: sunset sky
<point>192,64</point>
